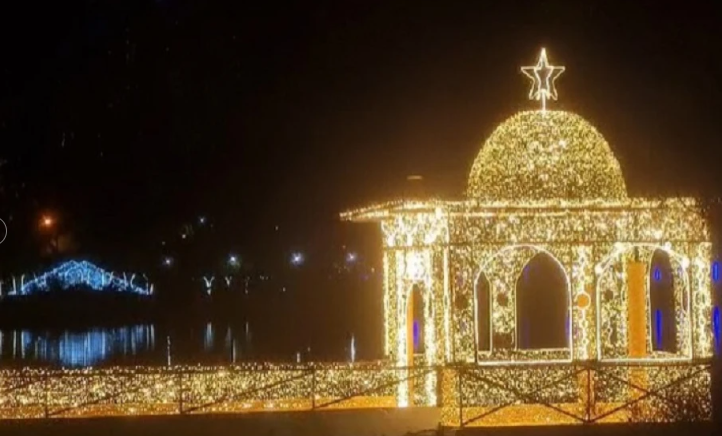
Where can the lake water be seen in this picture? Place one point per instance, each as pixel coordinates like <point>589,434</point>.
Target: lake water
<point>151,344</point>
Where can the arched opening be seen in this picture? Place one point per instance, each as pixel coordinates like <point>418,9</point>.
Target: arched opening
<point>662,303</point>
<point>483,313</point>
<point>542,305</point>
<point>418,324</point>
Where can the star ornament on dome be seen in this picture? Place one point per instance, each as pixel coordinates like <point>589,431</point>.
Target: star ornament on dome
<point>543,76</point>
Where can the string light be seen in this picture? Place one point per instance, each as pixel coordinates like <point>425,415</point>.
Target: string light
<point>552,394</point>
<point>545,182</point>
<point>81,273</point>
<point>91,392</point>
<point>534,157</point>
<point>579,234</point>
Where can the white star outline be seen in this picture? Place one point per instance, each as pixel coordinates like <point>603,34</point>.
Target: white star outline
<point>543,87</point>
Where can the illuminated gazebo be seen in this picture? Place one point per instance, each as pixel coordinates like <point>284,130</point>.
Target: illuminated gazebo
<point>547,186</point>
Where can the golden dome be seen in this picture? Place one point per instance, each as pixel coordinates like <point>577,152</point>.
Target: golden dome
<point>545,155</point>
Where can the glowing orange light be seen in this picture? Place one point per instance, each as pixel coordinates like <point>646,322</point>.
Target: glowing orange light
<point>47,221</point>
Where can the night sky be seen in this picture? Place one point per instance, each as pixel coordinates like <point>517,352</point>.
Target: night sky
<point>130,120</point>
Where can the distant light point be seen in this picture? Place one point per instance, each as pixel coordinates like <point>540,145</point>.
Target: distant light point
<point>297,258</point>
<point>47,221</point>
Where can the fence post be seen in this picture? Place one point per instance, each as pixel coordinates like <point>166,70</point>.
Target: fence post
<point>179,380</point>
<point>589,393</point>
<point>439,386</point>
<point>46,406</point>
<point>313,388</point>
<point>461,399</point>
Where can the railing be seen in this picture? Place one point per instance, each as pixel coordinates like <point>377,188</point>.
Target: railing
<point>468,395</point>
<point>190,390</point>
<point>584,393</point>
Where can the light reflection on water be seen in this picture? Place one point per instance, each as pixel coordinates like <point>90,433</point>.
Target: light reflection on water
<point>75,348</point>
<point>124,345</point>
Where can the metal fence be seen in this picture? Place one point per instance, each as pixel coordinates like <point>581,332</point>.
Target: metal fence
<point>468,395</point>
<point>188,390</point>
<point>584,393</point>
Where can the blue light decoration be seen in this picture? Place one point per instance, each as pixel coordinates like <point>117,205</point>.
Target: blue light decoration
<point>416,335</point>
<point>716,326</point>
<point>715,271</point>
<point>657,274</point>
<point>658,328</point>
<point>84,273</point>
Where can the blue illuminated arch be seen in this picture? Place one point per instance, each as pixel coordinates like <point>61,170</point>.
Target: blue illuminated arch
<point>83,273</point>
